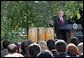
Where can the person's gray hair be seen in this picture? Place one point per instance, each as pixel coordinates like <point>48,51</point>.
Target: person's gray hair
<point>80,47</point>
<point>43,45</point>
<point>60,11</point>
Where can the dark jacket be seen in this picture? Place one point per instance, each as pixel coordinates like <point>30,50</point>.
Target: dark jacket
<point>54,53</point>
<point>63,55</point>
<point>57,23</point>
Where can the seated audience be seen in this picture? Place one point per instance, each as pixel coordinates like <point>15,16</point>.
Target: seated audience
<point>51,48</point>
<point>12,50</point>
<point>43,45</point>
<point>45,53</point>
<point>72,50</point>
<point>74,40</point>
<point>34,49</point>
<point>60,46</point>
<point>5,45</point>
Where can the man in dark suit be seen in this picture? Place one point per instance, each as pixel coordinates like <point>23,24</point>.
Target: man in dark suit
<point>58,22</point>
<point>61,48</point>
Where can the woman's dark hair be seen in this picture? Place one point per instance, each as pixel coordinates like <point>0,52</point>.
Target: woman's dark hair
<point>34,49</point>
<point>6,43</point>
<point>27,43</point>
<point>51,44</point>
<point>74,40</point>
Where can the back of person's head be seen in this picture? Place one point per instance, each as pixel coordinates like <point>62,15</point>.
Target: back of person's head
<point>27,43</point>
<point>74,40</point>
<point>34,49</point>
<point>60,46</point>
<point>43,45</point>
<point>12,48</point>
<point>23,46</point>
<point>72,49</point>
<point>51,44</point>
<point>45,53</point>
<point>14,55</point>
<point>6,43</point>
<point>80,47</point>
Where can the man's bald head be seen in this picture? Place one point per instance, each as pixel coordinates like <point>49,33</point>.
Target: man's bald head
<point>12,48</point>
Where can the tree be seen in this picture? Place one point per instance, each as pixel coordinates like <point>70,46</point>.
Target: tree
<point>23,14</point>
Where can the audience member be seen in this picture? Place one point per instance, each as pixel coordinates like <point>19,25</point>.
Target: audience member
<point>27,43</point>
<point>60,46</point>
<point>12,51</point>
<point>72,50</point>
<point>17,47</point>
<point>34,49</point>
<point>23,49</point>
<point>54,50</point>
<point>5,45</point>
<point>51,44</point>
<point>80,49</point>
<point>74,40</point>
<point>43,45</point>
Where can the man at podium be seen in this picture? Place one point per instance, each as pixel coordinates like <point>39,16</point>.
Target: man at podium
<point>58,22</point>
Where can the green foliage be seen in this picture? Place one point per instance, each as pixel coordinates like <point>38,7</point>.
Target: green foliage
<point>14,13</point>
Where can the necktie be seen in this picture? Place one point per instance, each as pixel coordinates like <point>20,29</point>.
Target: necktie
<point>62,21</point>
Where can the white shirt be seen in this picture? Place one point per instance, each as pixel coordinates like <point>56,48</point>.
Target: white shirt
<point>60,19</point>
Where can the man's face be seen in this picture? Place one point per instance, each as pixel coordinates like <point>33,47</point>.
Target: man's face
<point>61,14</point>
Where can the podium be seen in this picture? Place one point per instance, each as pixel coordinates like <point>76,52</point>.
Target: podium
<point>71,32</point>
